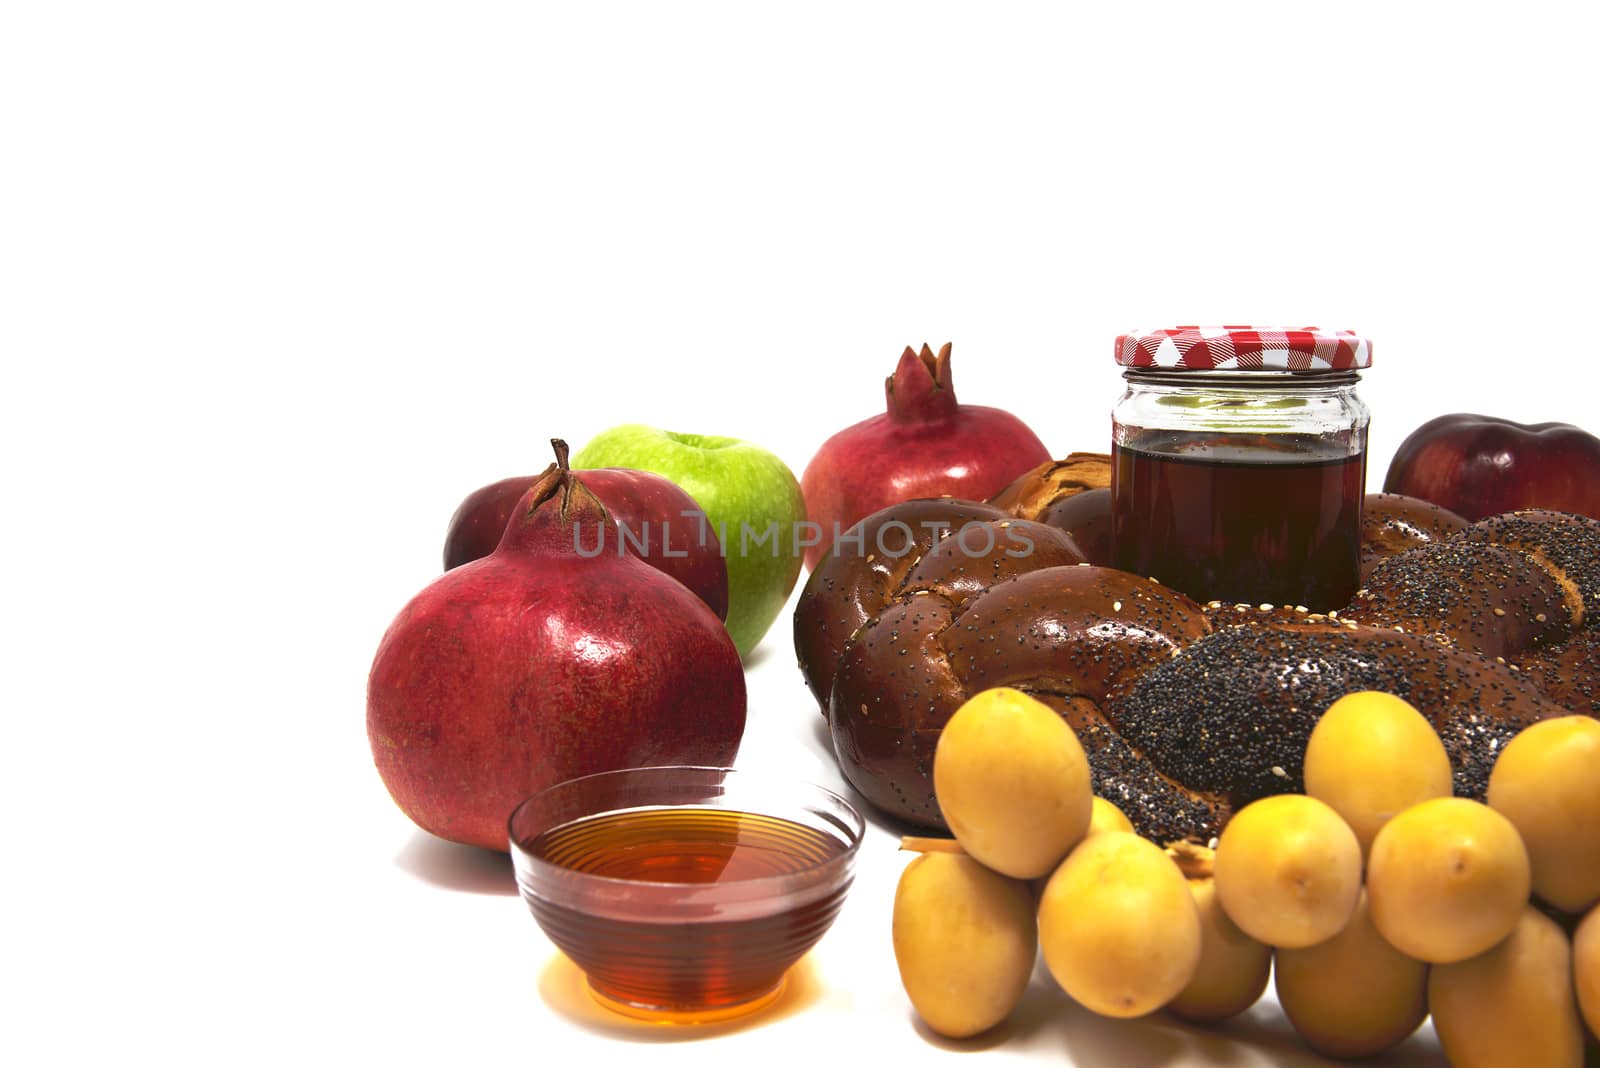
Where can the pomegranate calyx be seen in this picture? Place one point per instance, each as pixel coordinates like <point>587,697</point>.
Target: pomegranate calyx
<point>557,478</point>
<point>920,390</point>
<point>576,505</point>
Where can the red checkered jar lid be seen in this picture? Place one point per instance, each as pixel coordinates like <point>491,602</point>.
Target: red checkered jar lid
<point>1244,348</point>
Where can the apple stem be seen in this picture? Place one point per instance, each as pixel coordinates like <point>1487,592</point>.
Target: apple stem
<point>560,447</point>
<point>920,390</point>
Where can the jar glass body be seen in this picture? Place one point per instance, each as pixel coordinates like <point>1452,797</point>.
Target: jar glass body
<point>1241,487</point>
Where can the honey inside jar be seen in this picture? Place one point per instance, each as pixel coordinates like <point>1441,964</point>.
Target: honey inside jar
<point>1276,522</point>
<point>727,952</point>
<point>1239,461</point>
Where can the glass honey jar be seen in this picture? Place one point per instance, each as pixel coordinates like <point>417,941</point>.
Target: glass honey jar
<point>1239,459</point>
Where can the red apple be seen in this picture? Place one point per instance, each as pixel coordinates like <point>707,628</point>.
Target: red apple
<point>1478,465</point>
<point>925,445</point>
<point>556,655</point>
<point>664,525</point>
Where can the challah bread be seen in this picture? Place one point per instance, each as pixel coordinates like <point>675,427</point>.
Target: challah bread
<point>1069,633</point>
<point>1230,716</point>
<point>1031,495</point>
<point>861,572</point>
<point>1073,494</point>
<point>1469,594</point>
<point>1185,710</point>
<point>1568,545</point>
<point>1392,523</point>
<point>1569,674</point>
<point>1504,586</point>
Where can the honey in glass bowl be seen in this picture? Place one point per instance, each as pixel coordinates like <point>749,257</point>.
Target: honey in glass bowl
<point>684,894</point>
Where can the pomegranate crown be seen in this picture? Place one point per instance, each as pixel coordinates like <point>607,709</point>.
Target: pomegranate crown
<point>575,505</point>
<point>921,390</point>
<point>559,478</point>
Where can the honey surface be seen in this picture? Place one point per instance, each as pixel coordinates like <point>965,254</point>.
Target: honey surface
<point>685,845</point>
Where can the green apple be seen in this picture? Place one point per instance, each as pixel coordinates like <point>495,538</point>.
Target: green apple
<point>751,498</point>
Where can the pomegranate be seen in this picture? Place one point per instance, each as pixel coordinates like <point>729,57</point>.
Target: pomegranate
<point>666,528</point>
<point>559,654</point>
<point>925,445</point>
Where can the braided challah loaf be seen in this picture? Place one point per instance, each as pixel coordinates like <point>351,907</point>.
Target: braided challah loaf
<point>1189,711</point>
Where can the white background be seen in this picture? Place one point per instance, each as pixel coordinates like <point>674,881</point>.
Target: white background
<point>280,282</point>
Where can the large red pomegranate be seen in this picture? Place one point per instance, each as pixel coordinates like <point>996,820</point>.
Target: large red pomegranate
<point>559,654</point>
<point>925,445</point>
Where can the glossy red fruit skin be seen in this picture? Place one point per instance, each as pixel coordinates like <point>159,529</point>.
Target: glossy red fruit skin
<point>1478,466</point>
<point>925,445</point>
<point>536,664</point>
<point>680,540</point>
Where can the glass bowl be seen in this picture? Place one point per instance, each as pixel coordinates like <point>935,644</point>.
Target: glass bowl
<point>684,893</point>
